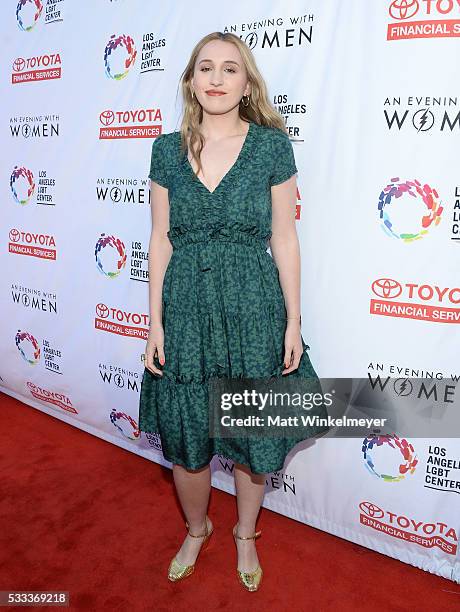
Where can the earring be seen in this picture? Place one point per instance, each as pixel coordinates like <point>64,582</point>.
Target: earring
<point>243,101</point>
<point>193,94</point>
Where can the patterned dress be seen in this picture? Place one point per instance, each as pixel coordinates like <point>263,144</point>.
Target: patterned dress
<point>223,307</point>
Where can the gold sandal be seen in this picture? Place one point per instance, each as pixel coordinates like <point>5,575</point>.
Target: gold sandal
<point>250,580</point>
<point>178,571</point>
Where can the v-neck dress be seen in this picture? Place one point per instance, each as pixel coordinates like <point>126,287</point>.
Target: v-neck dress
<point>223,311</point>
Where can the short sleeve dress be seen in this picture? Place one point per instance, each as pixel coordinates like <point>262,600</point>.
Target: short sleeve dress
<point>223,312</point>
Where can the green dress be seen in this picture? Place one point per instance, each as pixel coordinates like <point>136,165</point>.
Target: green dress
<point>223,308</point>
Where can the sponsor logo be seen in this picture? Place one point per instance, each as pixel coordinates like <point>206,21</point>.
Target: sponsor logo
<point>424,302</point>
<point>423,19</point>
<point>411,530</point>
<point>42,246</point>
<point>408,209</point>
<point>119,56</point>
<point>389,457</point>
<point>119,321</point>
<point>110,254</point>
<point>55,399</point>
<point>140,123</point>
<point>37,68</point>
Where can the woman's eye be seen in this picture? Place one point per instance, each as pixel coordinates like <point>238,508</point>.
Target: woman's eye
<point>206,68</point>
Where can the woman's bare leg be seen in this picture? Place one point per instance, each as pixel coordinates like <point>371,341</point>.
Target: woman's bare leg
<point>193,489</point>
<point>249,495</point>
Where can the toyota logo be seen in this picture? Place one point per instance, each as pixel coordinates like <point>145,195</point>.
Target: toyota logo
<point>14,235</point>
<point>102,311</point>
<point>387,288</point>
<point>371,510</point>
<point>107,117</point>
<point>19,64</point>
<point>403,9</point>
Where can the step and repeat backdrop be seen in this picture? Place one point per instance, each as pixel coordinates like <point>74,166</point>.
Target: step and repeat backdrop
<point>370,94</point>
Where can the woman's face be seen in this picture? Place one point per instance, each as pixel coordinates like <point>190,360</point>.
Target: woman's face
<point>219,68</point>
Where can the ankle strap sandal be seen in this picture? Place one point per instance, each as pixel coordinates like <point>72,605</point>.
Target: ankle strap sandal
<point>250,580</point>
<point>178,571</point>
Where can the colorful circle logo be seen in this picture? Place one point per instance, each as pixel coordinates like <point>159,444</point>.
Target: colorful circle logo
<point>389,457</point>
<point>119,56</point>
<point>28,13</point>
<point>411,205</point>
<point>125,423</point>
<point>27,345</point>
<point>110,261</point>
<point>22,184</point>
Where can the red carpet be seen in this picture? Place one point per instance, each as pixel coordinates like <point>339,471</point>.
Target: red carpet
<point>82,515</point>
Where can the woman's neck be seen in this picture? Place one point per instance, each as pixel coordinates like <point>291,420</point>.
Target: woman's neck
<point>217,127</point>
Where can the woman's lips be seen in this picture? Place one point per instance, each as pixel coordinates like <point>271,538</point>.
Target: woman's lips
<point>215,93</point>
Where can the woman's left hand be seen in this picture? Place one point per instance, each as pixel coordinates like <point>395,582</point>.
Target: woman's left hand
<point>293,348</point>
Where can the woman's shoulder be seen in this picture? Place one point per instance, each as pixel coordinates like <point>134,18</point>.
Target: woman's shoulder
<point>166,143</point>
<point>273,133</point>
<point>273,139</point>
<point>166,137</point>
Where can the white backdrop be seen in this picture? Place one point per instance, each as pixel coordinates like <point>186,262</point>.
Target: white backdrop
<point>369,91</point>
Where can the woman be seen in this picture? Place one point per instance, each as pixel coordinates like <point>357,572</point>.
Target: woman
<point>219,305</point>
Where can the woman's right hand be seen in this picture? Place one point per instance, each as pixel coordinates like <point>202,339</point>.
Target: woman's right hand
<point>155,346</point>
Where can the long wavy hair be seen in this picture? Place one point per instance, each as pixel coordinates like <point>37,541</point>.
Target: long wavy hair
<point>259,109</point>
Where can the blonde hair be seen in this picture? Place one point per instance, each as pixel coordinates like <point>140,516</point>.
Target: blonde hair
<point>259,109</point>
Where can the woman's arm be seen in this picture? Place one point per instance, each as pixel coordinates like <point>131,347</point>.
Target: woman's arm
<point>284,243</point>
<point>285,248</point>
<point>160,250</point>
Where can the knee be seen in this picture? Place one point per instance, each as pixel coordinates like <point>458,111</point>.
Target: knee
<point>245,468</point>
<point>182,468</point>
